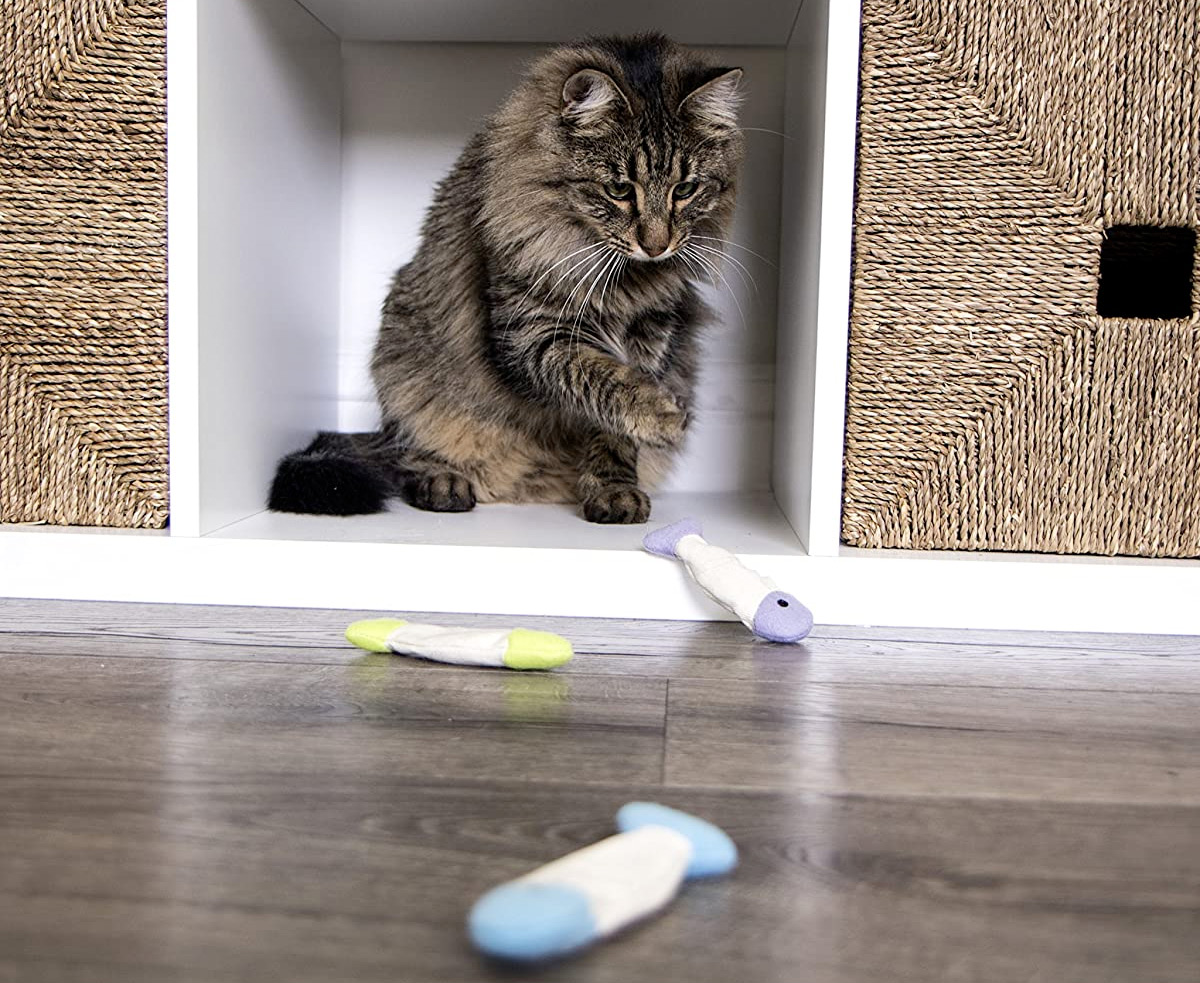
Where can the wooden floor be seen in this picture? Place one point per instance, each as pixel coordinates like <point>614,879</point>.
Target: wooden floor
<point>217,794</point>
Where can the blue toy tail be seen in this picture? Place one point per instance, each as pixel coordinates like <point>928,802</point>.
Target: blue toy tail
<point>713,852</point>
<point>662,541</point>
<point>527,922</point>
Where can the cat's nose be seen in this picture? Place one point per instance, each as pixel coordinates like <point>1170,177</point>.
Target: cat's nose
<point>654,240</point>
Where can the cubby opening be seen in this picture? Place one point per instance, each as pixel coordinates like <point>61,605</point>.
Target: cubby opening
<point>1146,272</point>
<point>322,130</point>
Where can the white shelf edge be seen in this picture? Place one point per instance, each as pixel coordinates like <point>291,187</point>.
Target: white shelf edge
<point>855,588</point>
<point>834,277</point>
<point>183,269</point>
<point>815,250</point>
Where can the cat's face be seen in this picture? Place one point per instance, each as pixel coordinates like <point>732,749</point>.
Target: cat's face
<point>650,151</point>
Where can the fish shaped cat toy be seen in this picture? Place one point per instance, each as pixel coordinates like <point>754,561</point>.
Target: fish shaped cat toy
<point>767,611</point>
<point>516,648</point>
<point>595,892</point>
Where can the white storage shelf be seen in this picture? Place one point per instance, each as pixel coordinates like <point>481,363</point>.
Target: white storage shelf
<point>305,137</point>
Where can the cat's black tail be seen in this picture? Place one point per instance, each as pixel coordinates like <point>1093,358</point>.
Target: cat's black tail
<point>331,476</point>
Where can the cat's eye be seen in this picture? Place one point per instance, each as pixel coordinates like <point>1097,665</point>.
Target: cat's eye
<point>619,190</point>
<point>685,189</point>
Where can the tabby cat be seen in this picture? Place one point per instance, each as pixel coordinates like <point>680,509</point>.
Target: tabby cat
<point>542,344</point>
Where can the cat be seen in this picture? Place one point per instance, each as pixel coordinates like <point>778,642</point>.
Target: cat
<point>542,344</point>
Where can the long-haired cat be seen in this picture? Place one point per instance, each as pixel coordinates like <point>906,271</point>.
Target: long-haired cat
<point>542,344</point>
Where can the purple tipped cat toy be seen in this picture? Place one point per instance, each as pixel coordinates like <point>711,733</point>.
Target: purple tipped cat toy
<point>768,612</point>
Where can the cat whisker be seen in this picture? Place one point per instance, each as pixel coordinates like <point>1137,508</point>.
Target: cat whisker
<point>712,267</point>
<point>739,266</point>
<point>696,271</point>
<point>618,269</point>
<point>623,261</point>
<point>586,297</point>
<point>595,283</point>
<point>586,249</point>
<point>546,273</point>
<point>583,262</point>
<point>763,129</point>
<point>590,250</point>
<point>730,242</point>
<point>574,290</point>
<point>604,287</point>
<point>577,324</point>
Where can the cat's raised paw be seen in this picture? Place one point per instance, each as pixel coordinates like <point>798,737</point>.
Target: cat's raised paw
<point>444,491</point>
<point>619,504</point>
<point>657,419</point>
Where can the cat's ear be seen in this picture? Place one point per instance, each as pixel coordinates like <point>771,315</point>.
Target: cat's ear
<point>716,102</point>
<point>589,97</point>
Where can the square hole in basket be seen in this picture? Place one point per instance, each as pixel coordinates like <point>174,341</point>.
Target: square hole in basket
<point>1146,271</point>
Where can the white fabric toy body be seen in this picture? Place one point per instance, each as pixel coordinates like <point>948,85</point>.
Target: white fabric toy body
<point>510,648</point>
<point>767,611</point>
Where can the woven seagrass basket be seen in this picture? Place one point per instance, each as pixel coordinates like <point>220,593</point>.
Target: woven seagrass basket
<point>83,348</point>
<point>1024,367</point>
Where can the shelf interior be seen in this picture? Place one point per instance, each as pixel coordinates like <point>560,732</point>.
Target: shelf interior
<point>758,22</point>
<point>318,156</point>
<point>745,523</point>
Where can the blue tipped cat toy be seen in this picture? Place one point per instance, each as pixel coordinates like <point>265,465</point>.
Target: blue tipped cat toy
<point>767,611</point>
<point>594,892</point>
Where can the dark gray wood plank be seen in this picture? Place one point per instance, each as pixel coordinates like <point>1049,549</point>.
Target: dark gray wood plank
<point>371,880</point>
<point>103,616</point>
<point>634,648</point>
<point>380,715</point>
<point>208,794</point>
<point>936,740</point>
<point>311,626</point>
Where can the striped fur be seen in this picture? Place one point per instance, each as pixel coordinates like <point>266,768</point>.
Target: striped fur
<point>542,344</point>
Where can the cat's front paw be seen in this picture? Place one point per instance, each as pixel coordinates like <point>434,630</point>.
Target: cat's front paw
<point>441,492</point>
<point>656,417</point>
<point>617,504</point>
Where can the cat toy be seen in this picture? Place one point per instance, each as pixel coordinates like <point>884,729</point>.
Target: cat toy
<point>594,892</point>
<point>767,611</point>
<point>516,648</point>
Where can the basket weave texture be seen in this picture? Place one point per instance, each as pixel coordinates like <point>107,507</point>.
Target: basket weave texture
<point>83,346</point>
<point>989,405</point>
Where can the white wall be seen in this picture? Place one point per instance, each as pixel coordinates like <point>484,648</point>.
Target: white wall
<point>268,163</point>
<point>555,21</point>
<point>407,111</point>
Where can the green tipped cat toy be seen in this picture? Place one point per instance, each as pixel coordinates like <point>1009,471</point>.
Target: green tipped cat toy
<point>515,648</point>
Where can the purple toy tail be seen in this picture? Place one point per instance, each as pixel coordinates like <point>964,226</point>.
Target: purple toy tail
<point>662,541</point>
<point>782,618</point>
